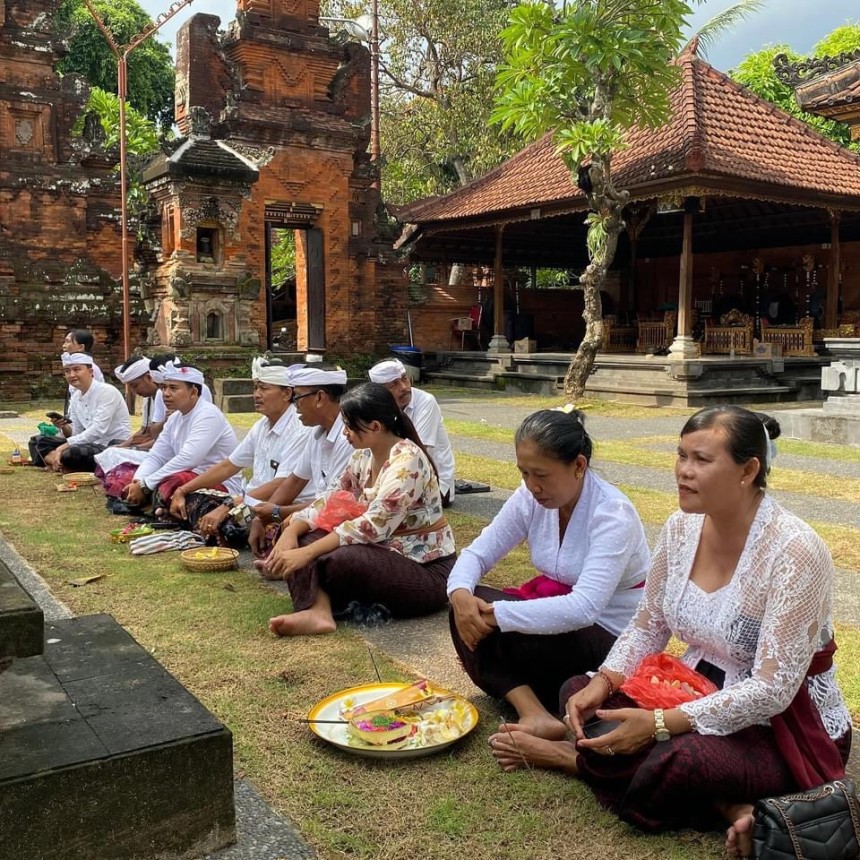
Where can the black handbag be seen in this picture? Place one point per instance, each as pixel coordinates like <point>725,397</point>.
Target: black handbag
<point>820,824</point>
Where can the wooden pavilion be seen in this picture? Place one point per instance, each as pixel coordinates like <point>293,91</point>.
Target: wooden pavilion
<point>735,206</point>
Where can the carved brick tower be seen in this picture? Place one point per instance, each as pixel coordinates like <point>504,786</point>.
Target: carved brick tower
<point>285,148</point>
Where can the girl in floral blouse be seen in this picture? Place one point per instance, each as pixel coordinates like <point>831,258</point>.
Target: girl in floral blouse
<point>397,553</point>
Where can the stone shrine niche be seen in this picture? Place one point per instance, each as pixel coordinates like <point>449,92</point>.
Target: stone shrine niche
<point>199,188</point>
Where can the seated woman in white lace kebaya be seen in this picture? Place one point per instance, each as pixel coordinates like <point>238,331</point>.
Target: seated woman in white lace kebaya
<point>748,587</point>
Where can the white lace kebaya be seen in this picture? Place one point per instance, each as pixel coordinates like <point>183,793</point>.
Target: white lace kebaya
<point>761,629</point>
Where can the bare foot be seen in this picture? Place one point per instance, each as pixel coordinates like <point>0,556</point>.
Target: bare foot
<point>540,726</point>
<point>305,623</point>
<point>739,835</point>
<point>516,749</point>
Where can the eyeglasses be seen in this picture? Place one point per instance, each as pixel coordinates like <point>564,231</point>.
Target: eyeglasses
<point>297,397</point>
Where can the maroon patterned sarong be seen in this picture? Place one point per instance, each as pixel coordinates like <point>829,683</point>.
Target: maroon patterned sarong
<point>678,783</point>
<point>369,574</point>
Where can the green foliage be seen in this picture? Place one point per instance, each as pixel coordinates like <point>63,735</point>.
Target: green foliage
<point>437,69</point>
<point>141,139</point>
<point>843,40</point>
<point>141,135</point>
<point>589,73</point>
<point>727,19</point>
<point>283,258</point>
<point>150,67</point>
<point>756,71</point>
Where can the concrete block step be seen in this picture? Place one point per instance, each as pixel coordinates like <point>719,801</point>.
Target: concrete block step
<point>461,380</point>
<point>21,619</point>
<point>106,755</point>
<point>228,403</point>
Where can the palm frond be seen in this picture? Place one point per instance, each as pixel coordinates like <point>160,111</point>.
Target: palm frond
<point>713,30</point>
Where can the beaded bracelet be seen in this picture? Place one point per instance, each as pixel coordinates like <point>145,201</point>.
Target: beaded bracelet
<point>604,676</point>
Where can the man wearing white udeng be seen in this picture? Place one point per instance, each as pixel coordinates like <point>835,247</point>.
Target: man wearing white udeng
<point>195,437</point>
<point>425,414</point>
<point>98,417</point>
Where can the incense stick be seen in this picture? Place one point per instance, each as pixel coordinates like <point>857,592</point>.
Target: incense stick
<point>375,667</point>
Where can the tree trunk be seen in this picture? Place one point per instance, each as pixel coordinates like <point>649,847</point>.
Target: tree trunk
<point>608,204</point>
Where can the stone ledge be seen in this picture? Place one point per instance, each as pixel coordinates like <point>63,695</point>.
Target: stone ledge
<point>105,754</point>
<point>21,619</point>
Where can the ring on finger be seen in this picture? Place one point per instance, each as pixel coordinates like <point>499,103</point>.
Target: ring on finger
<point>566,718</point>
<point>610,751</point>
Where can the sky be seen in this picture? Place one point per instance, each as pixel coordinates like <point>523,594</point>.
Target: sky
<point>798,23</point>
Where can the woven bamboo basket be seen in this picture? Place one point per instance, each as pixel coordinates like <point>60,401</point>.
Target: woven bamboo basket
<point>82,479</point>
<point>118,536</point>
<point>209,559</point>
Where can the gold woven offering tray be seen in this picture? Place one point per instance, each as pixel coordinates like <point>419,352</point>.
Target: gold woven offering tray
<point>207,559</point>
<point>80,479</point>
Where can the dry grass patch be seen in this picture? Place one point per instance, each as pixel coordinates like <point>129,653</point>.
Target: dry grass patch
<point>209,630</point>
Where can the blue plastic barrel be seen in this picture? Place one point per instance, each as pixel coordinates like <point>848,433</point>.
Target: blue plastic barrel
<point>410,355</point>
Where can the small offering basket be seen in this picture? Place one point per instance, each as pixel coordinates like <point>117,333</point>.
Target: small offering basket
<point>124,535</point>
<point>80,479</point>
<point>209,559</point>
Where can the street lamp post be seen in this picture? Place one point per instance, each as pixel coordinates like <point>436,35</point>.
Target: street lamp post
<point>121,53</point>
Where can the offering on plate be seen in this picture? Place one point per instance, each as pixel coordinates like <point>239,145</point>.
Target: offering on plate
<point>414,696</point>
<point>382,729</point>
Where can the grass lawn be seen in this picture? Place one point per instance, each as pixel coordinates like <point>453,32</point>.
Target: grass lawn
<point>210,631</point>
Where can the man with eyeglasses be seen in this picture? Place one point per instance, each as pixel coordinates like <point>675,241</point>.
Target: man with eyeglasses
<point>271,448</point>
<point>316,396</point>
<point>424,412</point>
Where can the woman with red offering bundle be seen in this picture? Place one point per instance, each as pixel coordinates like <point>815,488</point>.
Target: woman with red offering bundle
<point>749,588</point>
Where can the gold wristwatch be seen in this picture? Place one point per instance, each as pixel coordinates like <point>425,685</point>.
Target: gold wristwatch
<point>661,733</point>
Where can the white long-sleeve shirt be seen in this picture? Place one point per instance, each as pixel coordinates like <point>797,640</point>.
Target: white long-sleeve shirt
<point>192,442</point>
<point>424,412</point>
<point>273,451</point>
<point>98,417</point>
<point>604,557</point>
<point>325,457</point>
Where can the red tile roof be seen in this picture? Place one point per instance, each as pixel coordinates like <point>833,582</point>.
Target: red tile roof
<point>720,134</point>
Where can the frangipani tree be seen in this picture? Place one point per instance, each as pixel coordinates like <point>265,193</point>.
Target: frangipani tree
<point>587,73</point>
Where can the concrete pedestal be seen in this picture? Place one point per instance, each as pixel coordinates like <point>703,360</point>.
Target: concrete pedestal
<point>104,754</point>
<point>498,344</point>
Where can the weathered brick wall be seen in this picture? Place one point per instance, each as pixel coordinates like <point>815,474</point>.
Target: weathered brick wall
<point>59,202</point>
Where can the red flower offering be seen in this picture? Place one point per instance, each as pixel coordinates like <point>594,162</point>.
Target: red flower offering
<point>663,681</point>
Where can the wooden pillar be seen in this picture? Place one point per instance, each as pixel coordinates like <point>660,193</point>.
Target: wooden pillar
<point>498,343</point>
<point>831,307</point>
<point>685,281</point>
<point>631,287</point>
<point>683,346</point>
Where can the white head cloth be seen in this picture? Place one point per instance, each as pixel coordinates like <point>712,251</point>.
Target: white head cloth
<point>271,374</point>
<point>387,371</point>
<point>133,371</point>
<point>158,374</point>
<point>308,376</point>
<point>770,450</point>
<point>172,373</point>
<point>69,358</point>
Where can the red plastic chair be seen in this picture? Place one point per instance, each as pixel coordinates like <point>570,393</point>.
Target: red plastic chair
<point>470,325</point>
